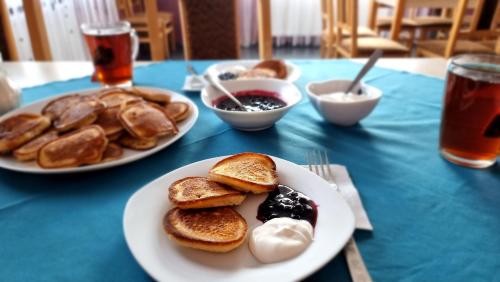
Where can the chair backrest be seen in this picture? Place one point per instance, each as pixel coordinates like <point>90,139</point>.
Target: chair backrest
<point>347,20</point>
<point>327,17</point>
<point>210,29</point>
<point>127,8</point>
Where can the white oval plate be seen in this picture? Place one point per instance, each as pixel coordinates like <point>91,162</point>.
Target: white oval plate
<point>9,162</point>
<point>166,261</point>
<point>215,69</point>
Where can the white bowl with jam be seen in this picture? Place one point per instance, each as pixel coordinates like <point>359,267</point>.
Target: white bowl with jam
<point>268,101</point>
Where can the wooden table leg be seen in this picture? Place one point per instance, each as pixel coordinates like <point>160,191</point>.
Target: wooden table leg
<point>265,36</point>
<point>36,28</point>
<point>157,44</point>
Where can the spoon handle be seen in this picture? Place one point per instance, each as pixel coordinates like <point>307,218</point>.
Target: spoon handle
<point>221,88</point>
<point>371,62</point>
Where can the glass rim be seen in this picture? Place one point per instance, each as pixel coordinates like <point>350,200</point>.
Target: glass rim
<point>87,26</point>
<point>454,61</point>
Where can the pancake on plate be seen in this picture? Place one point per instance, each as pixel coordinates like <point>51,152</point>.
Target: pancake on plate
<point>199,192</point>
<point>82,113</point>
<point>218,230</point>
<point>29,151</point>
<point>146,121</point>
<point>137,144</point>
<point>247,172</point>
<point>150,95</point>
<point>113,152</point>
<point>109,121</point>
<point>20,129</point>
<point>80,147</point>
<point>56,107</point>
<point>178,111</point>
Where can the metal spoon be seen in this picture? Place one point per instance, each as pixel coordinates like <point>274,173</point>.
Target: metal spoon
<point>221,88</point>
<point>197,81</point>
<point>371,62</point>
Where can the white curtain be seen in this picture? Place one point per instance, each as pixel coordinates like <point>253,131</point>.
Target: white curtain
<point>62,22</point>
<point>296,21</point>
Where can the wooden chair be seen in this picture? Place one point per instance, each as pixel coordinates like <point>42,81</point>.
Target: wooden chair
<point>133,11</point>
<point>457,41</point>
<point>414,23</point>
<point>355,46</point>
<point>327,42</point>
<point>210,29</point>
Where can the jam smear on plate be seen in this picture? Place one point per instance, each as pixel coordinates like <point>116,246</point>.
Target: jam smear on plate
<point>286,202</point>
<point>255,100</point>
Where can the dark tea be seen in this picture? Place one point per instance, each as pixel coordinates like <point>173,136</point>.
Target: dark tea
<point>470,125</point>
<point>111,51</point>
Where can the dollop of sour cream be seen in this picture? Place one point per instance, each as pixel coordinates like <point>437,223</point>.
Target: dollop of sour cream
<point>280,239</point>
<point>342,97</point>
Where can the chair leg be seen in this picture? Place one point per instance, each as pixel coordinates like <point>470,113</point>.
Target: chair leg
<point>172,41</point>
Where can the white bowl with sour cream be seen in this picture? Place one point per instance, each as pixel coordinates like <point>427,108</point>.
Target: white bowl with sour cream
<point>339,108</point>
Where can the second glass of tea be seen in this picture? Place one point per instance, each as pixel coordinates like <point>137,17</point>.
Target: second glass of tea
<point>470,123</point>
<point>113,47</point>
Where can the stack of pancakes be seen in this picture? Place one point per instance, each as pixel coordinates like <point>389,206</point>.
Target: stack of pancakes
<point>203,217</point>
<point>75,130</point>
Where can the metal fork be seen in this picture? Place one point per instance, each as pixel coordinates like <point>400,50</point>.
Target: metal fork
<point>318,163</point>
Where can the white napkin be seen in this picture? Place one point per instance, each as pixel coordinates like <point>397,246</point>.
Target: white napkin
<point>351,195</point>
<point>192,84</point>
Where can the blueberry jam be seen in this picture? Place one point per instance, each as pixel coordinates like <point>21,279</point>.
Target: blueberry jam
<point>227,76</point>
<point>286,202</point>
<point>254,100</point>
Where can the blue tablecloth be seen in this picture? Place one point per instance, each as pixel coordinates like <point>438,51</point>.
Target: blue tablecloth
<point>434,221</point>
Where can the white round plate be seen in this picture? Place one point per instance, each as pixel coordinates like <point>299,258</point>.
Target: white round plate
<point>9,162</point>
<point>166,261</point>
<point>215,69</point>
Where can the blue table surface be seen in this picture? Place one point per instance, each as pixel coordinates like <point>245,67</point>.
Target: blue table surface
<point>434,221</point>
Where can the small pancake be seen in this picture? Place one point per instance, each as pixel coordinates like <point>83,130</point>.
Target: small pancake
<point>278,66</point>
<point>108,120</point>
<point>246,172</point>
<point>137,144</point>
<point>199,192</point>
<point>257,73</point>
<point>115,99</point>
<point>113,152</point>
<point>177,111</point>
<point>20,129</point>
<point>105,91</point>
<point>56,107</point>
<point>82,113</point>
<point>218,230</point>
<point>29,151</point>
<point>83,146</point>
<point>146,121</point>
<point>115,136</point>
<point>150,95</point>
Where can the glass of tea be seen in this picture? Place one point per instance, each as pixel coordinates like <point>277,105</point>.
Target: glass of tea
<point>113,47</point>
<point>470,123</point>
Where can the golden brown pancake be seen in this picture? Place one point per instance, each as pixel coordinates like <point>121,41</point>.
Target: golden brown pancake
<point>82,113</point>
<point>108,120</point>
<point>83,146</point>
<point>115,136</point>
<point>278,66</point>
<point>247,172</point>
<point>150,95</point>
<point>113,152</point>
<point>105,91</point>
<point>56,107</point>
<point>199,192</point>
<point>177,111</point>
<point>20,129</point>
<point>215,230</point>
<point>137,144</point>
<point>257,73</point>
<point>114,99</point>
<point>146,121</point>
<point>29,151</point>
